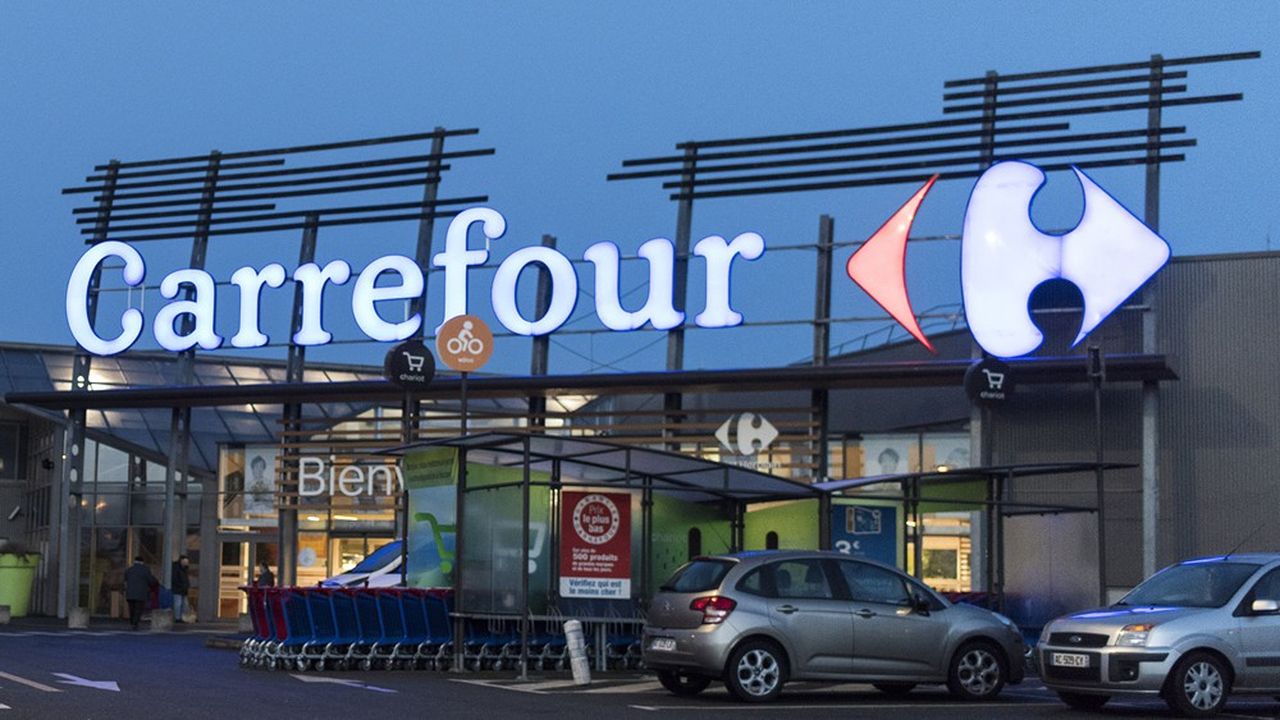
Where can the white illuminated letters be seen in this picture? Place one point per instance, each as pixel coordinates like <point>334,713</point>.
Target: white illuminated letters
<point>659,309</point>
<point>367,293</point>
<point>313,280</point>
<point>564,290</point>
<point>78,298</point>
<point>190,321</point>
<point>456,258</point>
<point>719,256</point>
<point>250,282</point>
<point>200,307</point>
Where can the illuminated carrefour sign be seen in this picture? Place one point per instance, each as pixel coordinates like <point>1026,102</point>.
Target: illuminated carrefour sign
<point>1109,255</point>
<point>408,282</point>
<point>1003,257</point>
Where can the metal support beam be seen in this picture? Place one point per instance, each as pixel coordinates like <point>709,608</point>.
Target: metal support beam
<point>1150,390</point>
<point>70,488</point>
<point>426,227</point>
<point>176,470</point>
<point>820,399</point>
<point>1096,376</point>
<point>540,361</point>
<point>524,567</point>
<point>675,337</point>
<point>287,564</point>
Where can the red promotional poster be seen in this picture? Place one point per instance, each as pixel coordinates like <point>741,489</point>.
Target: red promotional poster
<point>595,550</point>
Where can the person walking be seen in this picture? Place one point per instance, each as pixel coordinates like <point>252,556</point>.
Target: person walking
<point>180,584</point>
<point>138,582</point>
<point>265,578</point>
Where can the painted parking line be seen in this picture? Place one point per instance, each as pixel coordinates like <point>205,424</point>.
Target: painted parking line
<point>639,687</point>
<point>536,688</point>
<point>738,707</point>
<point>29,683</point>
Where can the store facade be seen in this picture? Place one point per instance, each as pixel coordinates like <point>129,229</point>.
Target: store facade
<point>239,461</point>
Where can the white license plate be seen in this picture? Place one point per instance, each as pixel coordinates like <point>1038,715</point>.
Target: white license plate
<point>1069,660</point>
<point>663,644</point>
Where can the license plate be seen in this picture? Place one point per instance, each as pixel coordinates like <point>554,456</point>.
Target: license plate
<point>663,644</point>
<point>1074,660</point>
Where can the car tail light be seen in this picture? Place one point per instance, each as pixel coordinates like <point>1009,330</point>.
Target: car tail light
<point>714,609</point>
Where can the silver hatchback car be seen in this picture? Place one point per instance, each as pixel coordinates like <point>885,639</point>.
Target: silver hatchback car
<point>1192,634</point>
<point>759,619</point>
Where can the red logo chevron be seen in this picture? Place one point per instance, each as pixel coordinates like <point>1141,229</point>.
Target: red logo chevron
<point>880,266</point>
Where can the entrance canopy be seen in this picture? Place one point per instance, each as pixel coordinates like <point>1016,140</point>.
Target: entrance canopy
<point>580,461</point>
<point>913,486</point>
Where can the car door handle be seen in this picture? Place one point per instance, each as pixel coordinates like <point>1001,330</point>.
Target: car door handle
<point>865,613</point>
<point>787,609</point>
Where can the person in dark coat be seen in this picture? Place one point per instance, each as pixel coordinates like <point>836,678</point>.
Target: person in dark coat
<point>138,582</point>
<point>265,578</point>
<point>180,584</point>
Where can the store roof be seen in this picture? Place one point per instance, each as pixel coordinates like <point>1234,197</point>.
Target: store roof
<point>594,462</point>
<point>971,473</point>
<point>41,368</point>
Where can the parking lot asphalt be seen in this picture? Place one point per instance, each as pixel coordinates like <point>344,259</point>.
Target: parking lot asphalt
<point>101,675</point>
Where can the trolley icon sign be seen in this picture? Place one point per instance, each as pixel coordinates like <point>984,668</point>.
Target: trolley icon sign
<point>995,380</point>
<point>416,362</point>
<point>464,343</point>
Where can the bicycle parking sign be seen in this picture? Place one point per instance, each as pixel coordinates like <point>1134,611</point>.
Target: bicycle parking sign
<point>464,343</point>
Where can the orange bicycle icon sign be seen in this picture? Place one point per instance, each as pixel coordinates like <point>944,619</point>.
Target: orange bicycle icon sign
<point>464,343</point>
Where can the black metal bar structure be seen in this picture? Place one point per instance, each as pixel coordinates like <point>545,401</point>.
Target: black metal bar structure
<point>990,118</point>
<point>240,193</point>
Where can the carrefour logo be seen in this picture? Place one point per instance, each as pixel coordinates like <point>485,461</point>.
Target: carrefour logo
<point>1109,255</point>
<point>1004,256</point>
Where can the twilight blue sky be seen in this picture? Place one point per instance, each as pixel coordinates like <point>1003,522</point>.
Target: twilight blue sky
<point>565,91</point>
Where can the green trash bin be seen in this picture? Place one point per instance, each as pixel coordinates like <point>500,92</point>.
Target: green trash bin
<point>17,574</point>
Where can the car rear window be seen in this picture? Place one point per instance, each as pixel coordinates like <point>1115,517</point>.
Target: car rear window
<point>698,576</point>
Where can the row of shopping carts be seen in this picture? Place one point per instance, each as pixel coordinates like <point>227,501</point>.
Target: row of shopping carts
<point>314,628</point>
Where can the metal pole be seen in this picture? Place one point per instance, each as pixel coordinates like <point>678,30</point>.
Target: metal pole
<point>287,567</point>
<point>820,399</point>
<point>672,402</point>
<point>538,363</point>
<point>1150,390</point>
<point>1096,372</point>
<point>463,392</point>
<point>426,228</point>
<point>524,568</point>
<point>71,470</point>
<point>408,412</point>
<point>459,624</point>
<point>918,560</point>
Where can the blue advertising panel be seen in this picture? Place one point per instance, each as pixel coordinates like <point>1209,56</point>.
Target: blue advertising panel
<point>866,531</point>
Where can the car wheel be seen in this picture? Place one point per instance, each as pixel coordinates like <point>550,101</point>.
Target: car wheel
<point>756,671</point>
<point>1198,686</point>
<point>977,672</point>
<point>895,689</point>
<point>683,684</point>
<point>1082,701</point>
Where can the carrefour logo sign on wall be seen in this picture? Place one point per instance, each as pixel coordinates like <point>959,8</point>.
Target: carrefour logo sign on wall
<point>1109,256</point>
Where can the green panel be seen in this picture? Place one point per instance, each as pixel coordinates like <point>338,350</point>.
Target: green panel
<point>795,521</point>
<point>672,521</point>
<point>430,479</point>
<point>974,491</point>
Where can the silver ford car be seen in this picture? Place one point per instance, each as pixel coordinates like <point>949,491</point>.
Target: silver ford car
<point>756,620</point>
<point>1192,634</point>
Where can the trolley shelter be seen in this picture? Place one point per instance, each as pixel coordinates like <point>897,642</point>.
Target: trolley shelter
<point>596,526</point>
